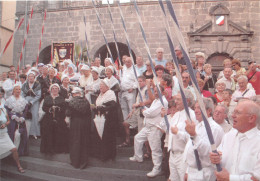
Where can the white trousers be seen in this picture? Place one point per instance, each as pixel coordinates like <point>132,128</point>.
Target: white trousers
<point>153,135</point>
<point>126,101</point>
<point>177,167</point>
<point>206,174</point>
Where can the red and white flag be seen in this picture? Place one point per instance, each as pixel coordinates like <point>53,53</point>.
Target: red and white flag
<point>220,20</point>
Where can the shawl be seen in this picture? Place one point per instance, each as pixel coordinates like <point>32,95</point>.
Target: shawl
<point>112,81</point>
<point>106,97</point>
<point>84,81</point>
<point>16,105</point>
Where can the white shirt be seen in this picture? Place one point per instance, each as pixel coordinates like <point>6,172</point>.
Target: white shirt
<point>178,142</point>
<point>201,142</point>
<point>221,74</point>
<point>152,115</point>
<point>238,94</point>
<point>230,84</point>
<point>248,163</point>
<point>8,87</point>
<point>225,126</point>
<point>128,80</point>
<point>190,88</point>
<point>176,87</point>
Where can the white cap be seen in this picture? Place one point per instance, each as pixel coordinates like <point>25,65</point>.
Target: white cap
<point>106,82</point>
<point>111,68</point>
<point>76,90</point>
<point>57,85</point>
<point>85,67</point>
<point>95,69</point>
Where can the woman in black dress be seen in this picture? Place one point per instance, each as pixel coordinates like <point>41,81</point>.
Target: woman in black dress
<point>54,130</point>
<point>103,138</point>
<point>80,126</point>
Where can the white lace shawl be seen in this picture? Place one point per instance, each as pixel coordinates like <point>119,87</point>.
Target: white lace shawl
<point>106,97</point>
<point>16,105</point>
<point>112,81</point>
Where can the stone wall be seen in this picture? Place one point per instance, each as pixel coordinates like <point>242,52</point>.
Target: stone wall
<point>66,24</point>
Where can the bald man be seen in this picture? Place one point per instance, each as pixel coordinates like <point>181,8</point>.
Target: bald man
<point>239,151</point>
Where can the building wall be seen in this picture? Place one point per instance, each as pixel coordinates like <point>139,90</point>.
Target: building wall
<point>66,24</point>
<point>8,9</point>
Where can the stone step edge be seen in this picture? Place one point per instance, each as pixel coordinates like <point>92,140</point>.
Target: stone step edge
<point>8,171</point>
<point>88,169</point>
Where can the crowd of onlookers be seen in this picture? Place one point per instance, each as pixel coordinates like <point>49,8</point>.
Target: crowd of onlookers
<point>68,102</point>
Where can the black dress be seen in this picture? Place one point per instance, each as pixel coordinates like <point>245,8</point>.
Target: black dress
<point>80,126</point>
<point>54,130</point>
<point>105,148</point>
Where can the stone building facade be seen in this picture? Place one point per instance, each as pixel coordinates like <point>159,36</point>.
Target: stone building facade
<point>7,26</point>
<point>238,37</point>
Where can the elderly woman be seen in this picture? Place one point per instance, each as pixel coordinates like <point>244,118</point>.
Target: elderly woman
<point>149,72</point>
<point>220,87</point>
<point>80,126</point>
<point>73,76</point>
<point>65,88</point>
<point>209,79</point>
<point>243,91</point>
<point>54,131</point>
<point>49,80</point>
<point>31,91</point>
<point>17,108</point>
<point>86,78</point>
<point>105,124</point>
<point>6,144</point>
<point>113,82</point>
<point>92,90</point>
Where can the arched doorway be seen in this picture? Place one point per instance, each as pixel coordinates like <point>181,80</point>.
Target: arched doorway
<point>103,53</point>
<point>45,55</point>
<point>216,61</point>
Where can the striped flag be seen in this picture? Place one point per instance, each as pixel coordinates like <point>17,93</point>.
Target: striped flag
<point>220,20</point>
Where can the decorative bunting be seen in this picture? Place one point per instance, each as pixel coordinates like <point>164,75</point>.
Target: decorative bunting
<point>10,39</point>
<point>24,41</point>
<point>40,44</point>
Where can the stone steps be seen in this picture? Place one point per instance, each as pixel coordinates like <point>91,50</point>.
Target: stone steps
<point>57,167</point>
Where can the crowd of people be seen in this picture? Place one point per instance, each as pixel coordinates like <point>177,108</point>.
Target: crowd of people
<point>82,109</point>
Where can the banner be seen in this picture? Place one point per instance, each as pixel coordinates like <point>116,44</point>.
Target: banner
<point>62,51</point>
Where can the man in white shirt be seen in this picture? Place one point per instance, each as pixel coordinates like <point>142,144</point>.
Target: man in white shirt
<point>151,132</point>
<point>239,151</point>
<point>177,138</point>
<point>159,57</point>
<point>128,86</point>
<point>201,142</point>
<point>230,83</point>
<point>186,79</point>
<point>220,114</point>
<point>8,84</point>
